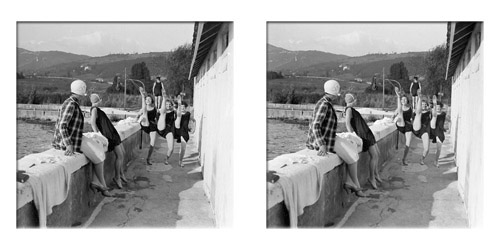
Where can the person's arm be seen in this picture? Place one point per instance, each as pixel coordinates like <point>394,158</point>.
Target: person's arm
<point>411,86</point>
<point>63,127</point>
<point>93,118</point>
<point>348,117</point>
<point>419,86</point>
<point>154,86</point>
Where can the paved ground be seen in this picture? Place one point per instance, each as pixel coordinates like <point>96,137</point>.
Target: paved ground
<point>413,196</point>
<point>158,195</point>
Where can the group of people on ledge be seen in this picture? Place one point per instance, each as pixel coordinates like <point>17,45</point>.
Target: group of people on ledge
<point>169,123</point>
<point>426,122</point>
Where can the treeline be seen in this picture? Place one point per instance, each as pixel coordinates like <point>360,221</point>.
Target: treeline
<point>178,64</point>
<point>274,75</point>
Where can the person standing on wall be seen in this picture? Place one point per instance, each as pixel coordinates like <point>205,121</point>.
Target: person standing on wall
<point>68,132</point>
<point>101,123</point>
<point>355,123</point>
<point>321,136</point>
<point>157,87</point>
<point>414,87</point>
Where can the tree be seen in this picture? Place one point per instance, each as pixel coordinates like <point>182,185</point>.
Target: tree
<point>399,72</point>
<point>140,72</point>
<point>178,66</point>
<point>435,72</point>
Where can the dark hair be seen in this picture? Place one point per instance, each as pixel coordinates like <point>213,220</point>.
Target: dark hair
<point>184,103</point>
<point>440,104</point>
<point>152,99</point>
<point>415,77</point>
<point>159,78</point>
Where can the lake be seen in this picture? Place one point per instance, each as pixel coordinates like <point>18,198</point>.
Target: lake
<point>35,136</point>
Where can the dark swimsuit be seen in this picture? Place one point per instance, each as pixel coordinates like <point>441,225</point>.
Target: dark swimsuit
<point>152,122</point>
<point>107,129</point>
<point>414,89</point>
<point>184,128</point>
<point>157,89</point>
<point>169,124</point>
<point>439,130</point>
<point>364,132</point>
<point>425,126</point>
<point>408,127</point>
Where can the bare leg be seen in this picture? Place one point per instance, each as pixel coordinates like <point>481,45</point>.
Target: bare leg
<point>373,164</point>
<point>152,136</point>
<point>417,124</point>
<point>182,152</point>
<point>163,112</point>
<point>407,147</point>
<point>144,117</point>
<point>119,164</point>
<point>438,151</point>
<point>170,146</point>
<point>425,142</point>
<point>99,175</point>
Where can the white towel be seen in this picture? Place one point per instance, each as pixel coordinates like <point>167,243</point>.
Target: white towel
<point>94,147</point>
<point>49,179</point>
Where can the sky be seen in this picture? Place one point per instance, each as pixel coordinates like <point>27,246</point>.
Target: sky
<point>100,39</point>
<point>357,39</point>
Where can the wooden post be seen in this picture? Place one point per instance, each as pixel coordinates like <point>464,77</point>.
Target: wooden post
<point>125,91</point>
<point>383,88</point>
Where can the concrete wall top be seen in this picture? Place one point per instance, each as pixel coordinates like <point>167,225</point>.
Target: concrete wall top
<point>361,110</point>
<point>55,107</point>
<point>56,157</point>
<point>380,129</point>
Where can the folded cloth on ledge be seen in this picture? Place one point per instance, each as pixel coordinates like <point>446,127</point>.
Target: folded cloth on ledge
<point>126,121</point>
<point>386,121</point>
<point>50,176</point>
<point>94,147</point>
<point>301,182</point>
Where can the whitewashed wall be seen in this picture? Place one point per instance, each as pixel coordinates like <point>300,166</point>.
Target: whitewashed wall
<point>467,129</point>
<point>213,111</point>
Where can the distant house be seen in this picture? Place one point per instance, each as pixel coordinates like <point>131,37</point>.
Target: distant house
<point>212,73</point>
<point>465,68</point>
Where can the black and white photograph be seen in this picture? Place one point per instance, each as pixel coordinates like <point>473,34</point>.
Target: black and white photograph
<point>124,124</point>
<point>374,124</point>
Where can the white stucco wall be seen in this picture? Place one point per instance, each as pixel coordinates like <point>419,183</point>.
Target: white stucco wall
<point>467,130</point>
<point>213,111</point>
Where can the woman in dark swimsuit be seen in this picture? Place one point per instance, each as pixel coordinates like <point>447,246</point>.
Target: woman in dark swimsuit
<point>182,127</point>
<point>166,123</point>
<point>157,87</point>
<point>437,127</point>
<point>414,87</point>
<point>403,121</point>
<point>101,123</point>
<point>355,123</point>
<point>421,125</point>
<point>147,118</point>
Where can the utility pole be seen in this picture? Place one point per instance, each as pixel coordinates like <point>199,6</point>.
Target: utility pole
<point>125,91</point>
<point>383,88</point>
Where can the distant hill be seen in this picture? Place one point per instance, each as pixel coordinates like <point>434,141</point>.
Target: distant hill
<point>62,64</point>
<point>281,59</point>
<point>324,64</point>
<point>32,61</point>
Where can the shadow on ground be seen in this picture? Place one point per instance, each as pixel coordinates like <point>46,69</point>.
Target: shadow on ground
<point>413,196</point>
<point>158,195</point>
